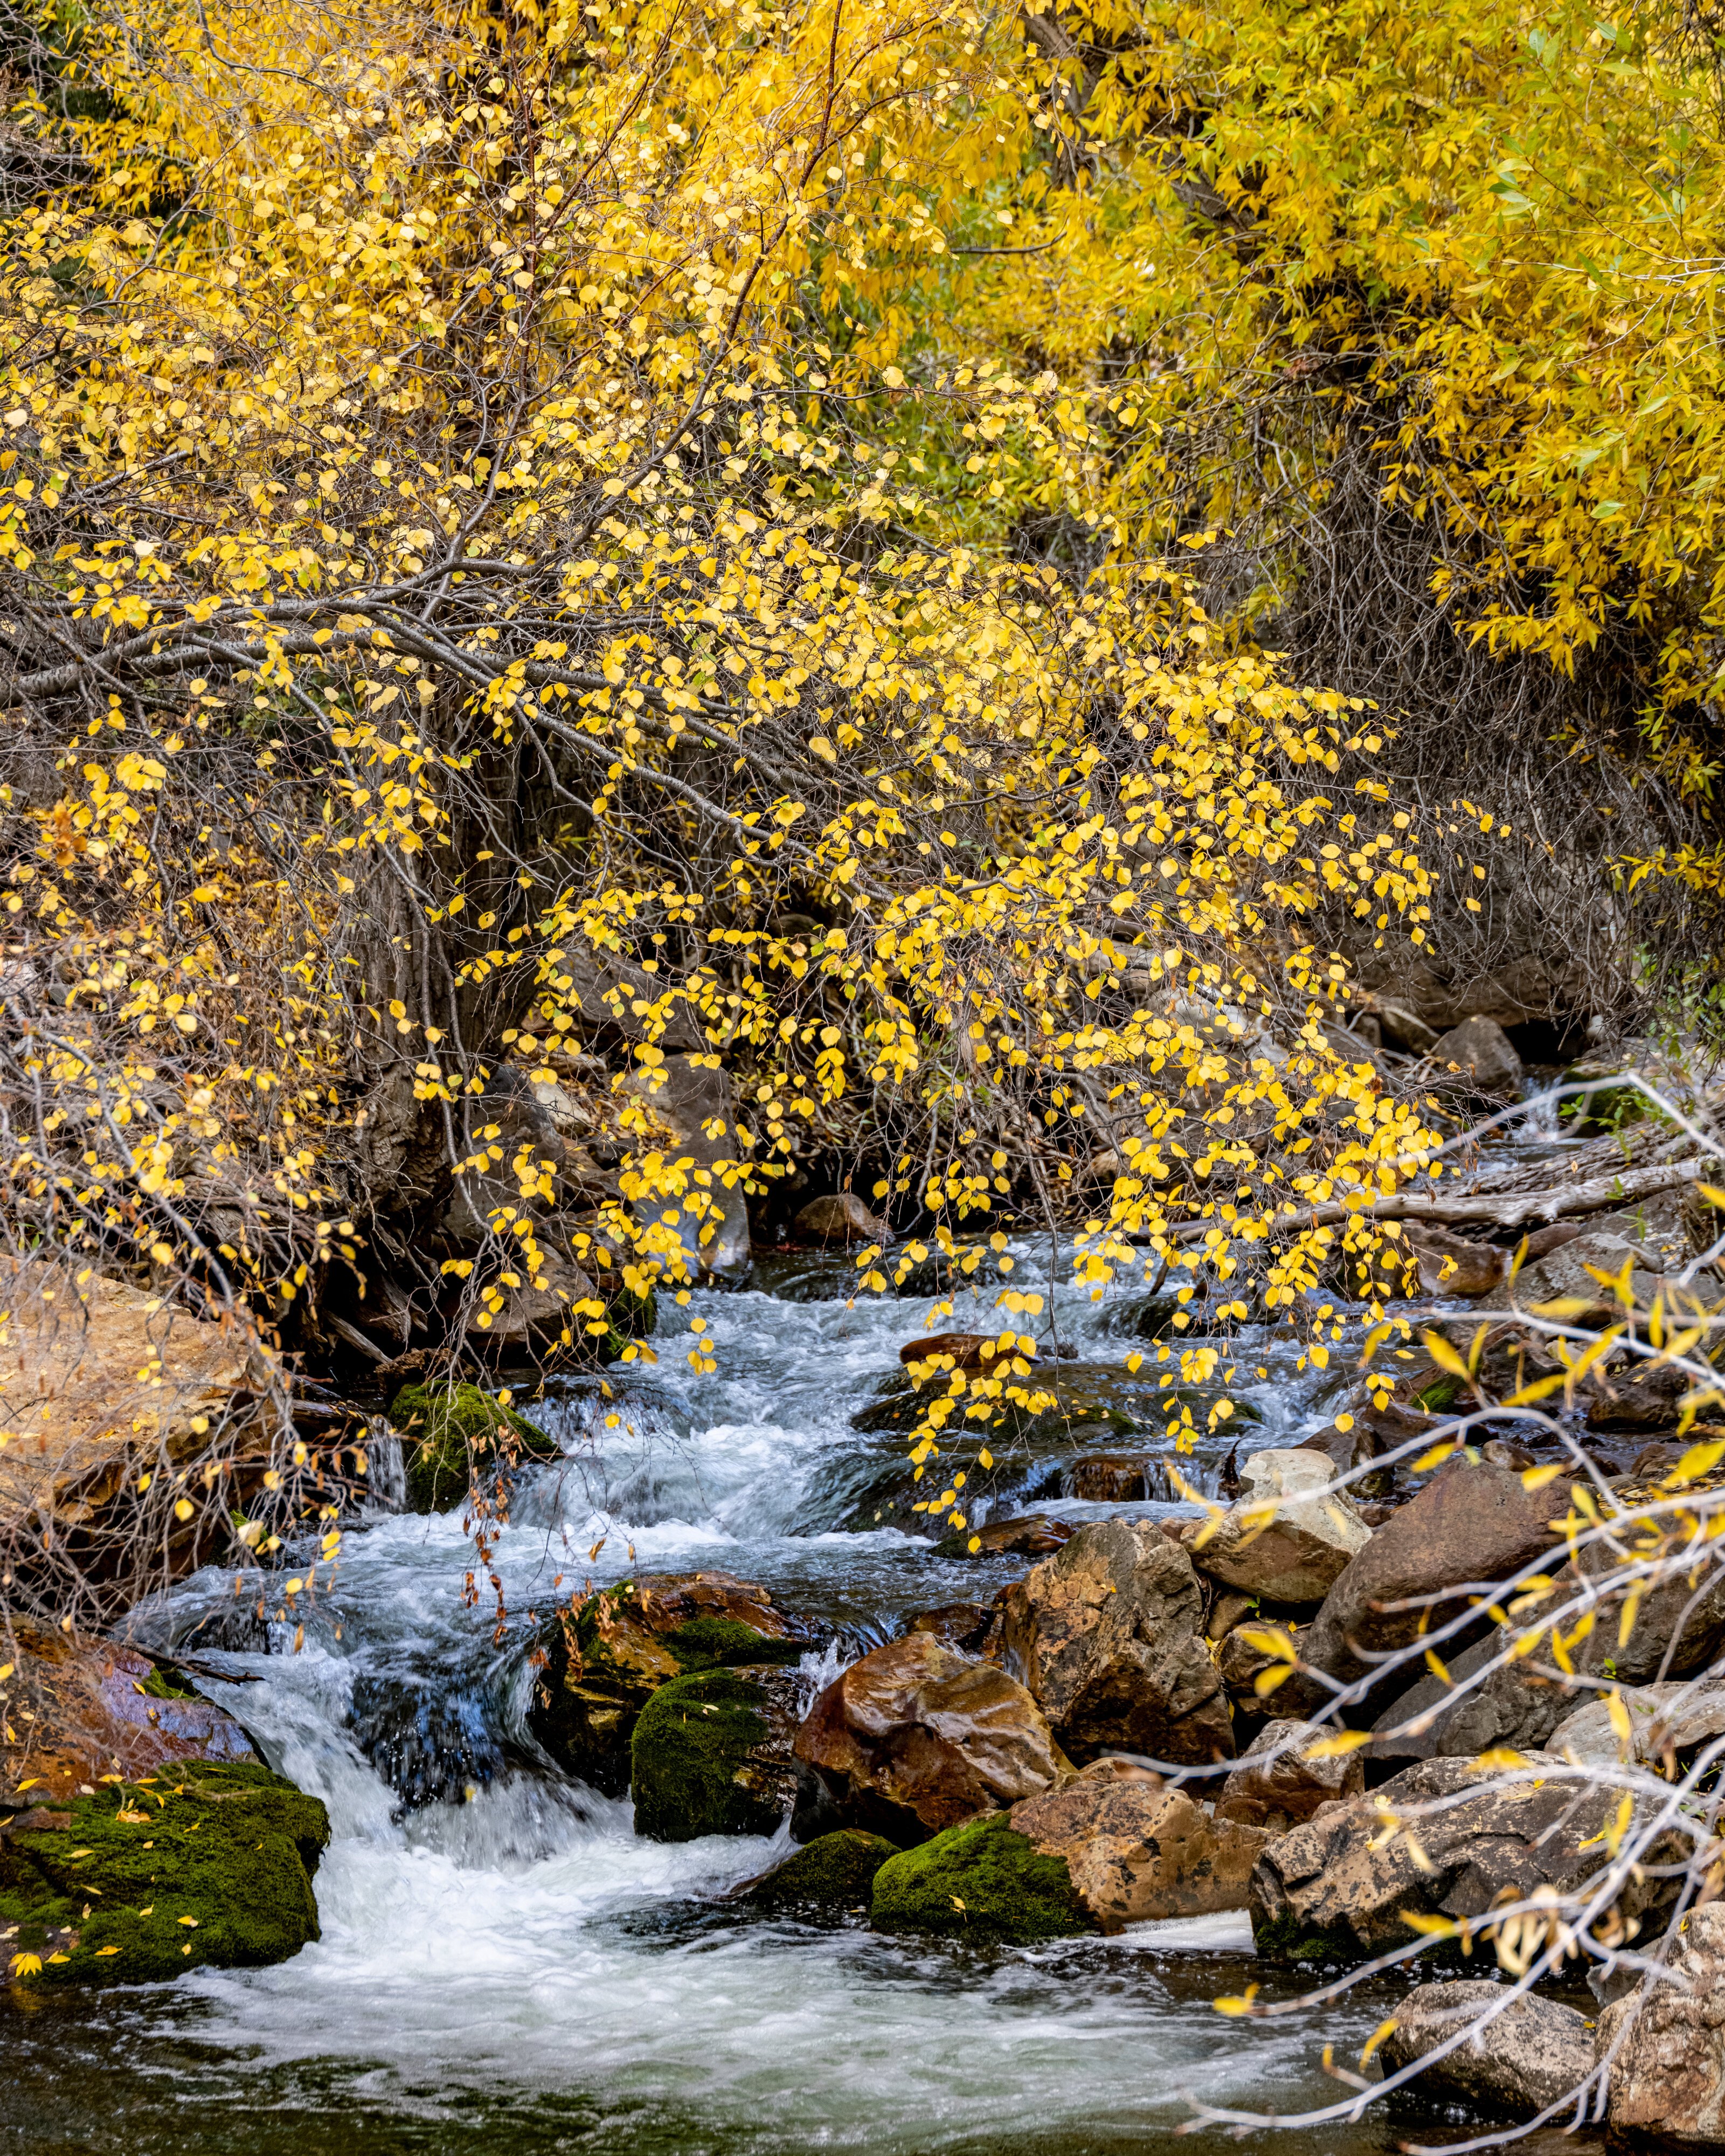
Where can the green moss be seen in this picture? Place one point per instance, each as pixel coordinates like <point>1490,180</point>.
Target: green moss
<point>711,1643</point>
<point>628,1316</point>
<point>980,1880</point>
<point>1439,1396</point>
<point>835,1871</point>
<point>1285,1938</point>
<point>692,1743</point>
<point>446,1427</point>
<point>99,1890</point>
<point>169,1684</point>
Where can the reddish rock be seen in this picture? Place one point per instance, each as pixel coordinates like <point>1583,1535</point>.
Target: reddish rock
<point>1110,1478</point>
<point>913,1738</point>
<point>969,1351</point>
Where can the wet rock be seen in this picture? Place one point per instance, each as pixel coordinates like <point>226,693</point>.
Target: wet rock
<point>449,1429</point>
<point>207,1866</point>
<point>843,1219</point>
<point>431,1744</point>
<point>963,1626</point>
<point>1667,2045</point>
<point>1482,1052</point>
<point>1109,1637</point>
<point>1343,1886</point>
<point>606,1655</point>
<point>1108,1478</point>
<point>833,1871</point>
<point>983,1880</point>
<point>1449,1264</point>
<point>1028,1534</point>
<point>1287,1540</point>
<point>711,1754</point>
<point>77,1708</point>
<point>1665,1720</point>
<point>1276,1786</point>
<point>1136,1850</point>
<point>913,1737</point>
<point>993,1354</point>
<point>695,1104</point>
<point>1530,2055</point>
<point>1472,1523</point>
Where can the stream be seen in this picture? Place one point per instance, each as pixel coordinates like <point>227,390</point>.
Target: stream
<point>504,1965</point>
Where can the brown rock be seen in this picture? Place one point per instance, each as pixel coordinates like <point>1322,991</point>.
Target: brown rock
<point>1472,1524</point>
<point>1028,1534</point>
<point>1667,2073</point>
<point>1287,1540</point>
<point>1108,1636</point>
<point>1455,1717</point>
<point>963,1626</point>
<point>100,1709</point>
<point>842,1218</point>
<point>1450,1265</point>
<point>1276,1787</point>
<point>1109,1478</point>
<point>1346,1880</point>
<point>913,1738</point>
<point>968,1352</point>
<point>1136,1850</point>
<point>1567,1273</point>
<point>1480,1050</point>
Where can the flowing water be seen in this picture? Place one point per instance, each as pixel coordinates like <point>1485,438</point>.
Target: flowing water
<point>504,1965</point>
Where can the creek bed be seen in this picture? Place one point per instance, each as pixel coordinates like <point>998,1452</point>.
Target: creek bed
<point>505,1965</point>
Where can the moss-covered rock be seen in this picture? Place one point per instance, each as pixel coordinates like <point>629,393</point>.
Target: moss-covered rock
<point>980,1880</point>
<point>835,1871</point>
<point>445,1428</point>
<point>601,1661</point>
<point>711,1754</point>
<point>204,1865</point>
<point>628,1316</point>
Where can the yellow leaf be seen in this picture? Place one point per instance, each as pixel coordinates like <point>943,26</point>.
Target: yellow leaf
<point>1535,1478</point>
<point>27,1964</point>
<point>101,1951</point>
<point>1383,2030</point>
<point>1444,1355</point>
<point>1338,1746</point>
<point>1234,2007</point>
<point>1698,1460</point>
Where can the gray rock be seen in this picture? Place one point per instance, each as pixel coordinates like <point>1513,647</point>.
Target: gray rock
<point>1344,1884</point>
<point>1666,2046</point>
<point>1107,1636</point>
<point>1567,1273</point>
<point>1518,1705</point>
<point>1480,1051</point>
<point>1664,1719</point>
<point>1530,2055</point>
<point>696,1102</point>
<point>1286,1540</point>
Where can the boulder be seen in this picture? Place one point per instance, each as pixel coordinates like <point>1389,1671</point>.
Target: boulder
<point>1480,1051</point>
<point>1567,1274</point>
<point>1449,1264</point>
<point>1108,1478</point>
<point>1518,1706</point>
<point>1529,2055</point>
<point>1276,1786</point>
<point>448,1431</point>
<point>545,1309</point>
<point>1344,1884</point>
<point>1664,1719</point>
<point>1027,1534</point>
<point>982,1880</point>
<point>833,1871</point>
<point>1676,1629</point>
<point>1287,1540</point>
<point>969,1352</point>
<point>599,1662</point>
<point>1108,1637</point>
<point>913,1738</point>
<point>209,1865</point>
<point>711,1754</point>
<point>695,1169</point>
<point>1135,1850</point>
<point>843,1219</point>
<point>1667,2044</point>
<point>76,1709</point>
<point>1473,1523</point>
<point>615,993</point>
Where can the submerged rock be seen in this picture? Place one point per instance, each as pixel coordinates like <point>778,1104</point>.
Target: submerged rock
<point>1108,1637</point>
<point>835,1871</point>
<point>446,1428</point>
<point>210,1865</point>
<point>1028,1534</point>
<point>914,1737</point>
<point>604,1658</point>
<point>711,1754</point>
<point>982,1881</point>
<point>1531,2054</point>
